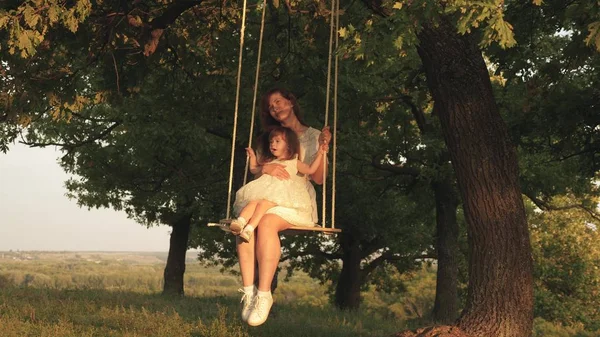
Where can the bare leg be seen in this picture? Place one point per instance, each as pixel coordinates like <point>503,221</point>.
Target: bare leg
<point>259,211</point>
<point>247,259</point>
<point>268,249</point>
<point>247,211</point>
<point>237,225</point>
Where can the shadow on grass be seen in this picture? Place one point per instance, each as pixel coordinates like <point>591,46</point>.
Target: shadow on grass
<point>103,309</point>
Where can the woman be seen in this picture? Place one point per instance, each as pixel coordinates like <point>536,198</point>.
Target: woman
<point>278,108</point>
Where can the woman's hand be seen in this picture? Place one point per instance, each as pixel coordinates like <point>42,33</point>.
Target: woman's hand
<point>276,170</point>
<point>325,136</point>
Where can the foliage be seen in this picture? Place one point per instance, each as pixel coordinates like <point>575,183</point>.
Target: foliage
<point>567,267</point>
<point>139,95</point>
<point>28,24</point>
<point>543,328</point>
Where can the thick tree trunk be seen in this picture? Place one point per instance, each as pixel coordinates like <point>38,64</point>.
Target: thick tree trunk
<point>347,290</point>
<point>173,275</point>
<point>500,296</point>
<point>445,309</point>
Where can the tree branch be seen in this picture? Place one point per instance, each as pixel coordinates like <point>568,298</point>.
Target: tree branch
<point>546,206</point>
<point>397,169</point>
<point>68,146</point>
<point>315,252</point>
<point>159,24</point>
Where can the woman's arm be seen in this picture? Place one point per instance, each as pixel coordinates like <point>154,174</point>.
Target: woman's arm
<point>324,138</point>
<point>275,170</point>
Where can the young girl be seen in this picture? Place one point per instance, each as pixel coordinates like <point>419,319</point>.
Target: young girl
<point>254,199</point>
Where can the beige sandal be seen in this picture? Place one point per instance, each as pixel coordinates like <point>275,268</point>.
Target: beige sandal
<point>235,227</point>
<point>246,235</point>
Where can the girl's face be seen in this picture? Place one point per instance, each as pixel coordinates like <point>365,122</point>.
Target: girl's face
<point>278,146</point>
<point>280,107</point>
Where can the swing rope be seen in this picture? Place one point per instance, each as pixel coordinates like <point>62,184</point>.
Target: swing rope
<point>335,114</point>
<point>328,90</point>
<point>260,40</point>
<point>333,24</point>
<point>235,114</point>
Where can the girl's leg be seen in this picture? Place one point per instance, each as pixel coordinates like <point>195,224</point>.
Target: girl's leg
<point>237,225</point>
<point>247,211</point>
<point>259,211</point>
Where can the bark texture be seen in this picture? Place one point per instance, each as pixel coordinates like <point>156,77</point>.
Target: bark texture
<point>445,309</point>
<point>500,296</point>
<point>175,267</point>
<point>347,290</point>
<point>436,331</point>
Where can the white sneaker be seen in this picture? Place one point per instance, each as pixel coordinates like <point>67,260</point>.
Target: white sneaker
<point>260,313</point>
<point>247,303</point>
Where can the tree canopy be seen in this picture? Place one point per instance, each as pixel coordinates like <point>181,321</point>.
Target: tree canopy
<point>139,96</point>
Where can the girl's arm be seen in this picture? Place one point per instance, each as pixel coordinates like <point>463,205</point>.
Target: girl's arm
<point>316,164</point>
<point>254,167</point>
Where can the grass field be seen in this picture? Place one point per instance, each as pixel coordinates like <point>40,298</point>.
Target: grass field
<point>84,294</point>
<point>118,294</point>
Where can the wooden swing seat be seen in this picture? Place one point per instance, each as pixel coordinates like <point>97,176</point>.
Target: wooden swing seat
<point>223,224</point>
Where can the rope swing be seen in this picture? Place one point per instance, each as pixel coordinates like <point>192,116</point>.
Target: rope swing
<point>334,24</point>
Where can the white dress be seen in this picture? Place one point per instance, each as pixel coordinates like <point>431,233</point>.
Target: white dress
<point>295,197</point>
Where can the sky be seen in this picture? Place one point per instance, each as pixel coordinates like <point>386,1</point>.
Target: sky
<point>35,213</point>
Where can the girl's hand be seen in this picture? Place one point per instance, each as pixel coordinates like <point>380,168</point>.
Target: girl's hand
<point>323,148</point>
<point>276,170</point>
<point>325,136</point>
<point>250,153</point>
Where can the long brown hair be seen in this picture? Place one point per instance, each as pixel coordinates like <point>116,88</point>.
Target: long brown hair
<point>290,137</point>
<point>267,121</point>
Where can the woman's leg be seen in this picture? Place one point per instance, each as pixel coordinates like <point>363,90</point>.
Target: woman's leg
<point>247,257</point>
<point>268,248</point>
<point>268,252</point>
<point>246,250</point>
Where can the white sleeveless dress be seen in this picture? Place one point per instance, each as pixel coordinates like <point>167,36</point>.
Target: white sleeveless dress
<point>295,197</point>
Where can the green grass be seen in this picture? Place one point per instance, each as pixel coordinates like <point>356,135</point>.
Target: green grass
<point>108,295</point>
<point>118,294</point>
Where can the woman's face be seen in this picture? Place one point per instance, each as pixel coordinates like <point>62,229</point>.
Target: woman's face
<point>280,107</point>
